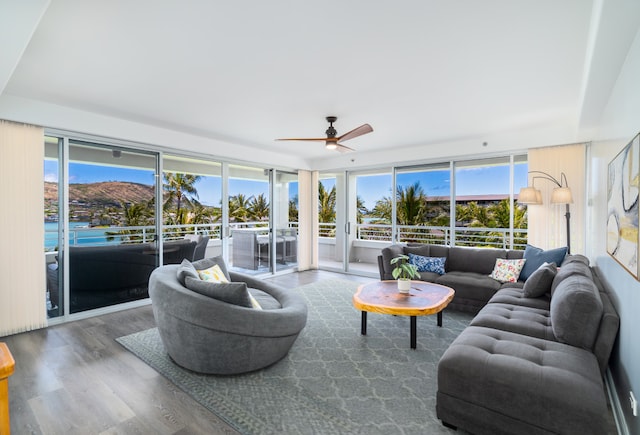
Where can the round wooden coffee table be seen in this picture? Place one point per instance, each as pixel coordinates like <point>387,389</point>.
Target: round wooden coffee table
<point>383,297</point>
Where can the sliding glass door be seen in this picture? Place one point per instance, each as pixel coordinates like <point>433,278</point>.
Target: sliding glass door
<point>285,219</point>
<point>112,224</point>
<point>249,213</point>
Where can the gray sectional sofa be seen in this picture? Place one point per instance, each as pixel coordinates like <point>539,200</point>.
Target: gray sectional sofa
<point>533,358</point>
<point>533,365</point>
<point>467,271</point>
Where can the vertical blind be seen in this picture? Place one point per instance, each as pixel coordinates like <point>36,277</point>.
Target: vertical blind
<point>547,222</point>
<point>22,263</point>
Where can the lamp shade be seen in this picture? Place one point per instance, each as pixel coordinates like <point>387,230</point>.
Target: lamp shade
<point>529,195</point>
<point>561,195</point>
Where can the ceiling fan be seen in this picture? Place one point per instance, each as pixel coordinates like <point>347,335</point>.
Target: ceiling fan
<point>332,141</point>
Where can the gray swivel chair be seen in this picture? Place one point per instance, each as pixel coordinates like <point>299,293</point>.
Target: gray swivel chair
<point>207,335</point>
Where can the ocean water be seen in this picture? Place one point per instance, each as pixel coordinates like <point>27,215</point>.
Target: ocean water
<point>81,234</point>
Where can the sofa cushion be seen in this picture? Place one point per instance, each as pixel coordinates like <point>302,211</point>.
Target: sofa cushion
<point>478,260</point>
<point>568,270</point>
<point>206,263</point>
<point>515,296</point>
<point>536,257</point>
<point>417,250</point>
<point>539,282</point>
<point>231,292</point>
<point>428,264</point>
<point>186,269</point>
<point>429,276</point>
<point>388,254</point>
<point>507,270</point>
<point>576,257</point>
<point>517,284</point>
<point>264,299</point>
<point>576,311</point>
<point>469,285</point>
<point>528,321</point>
<point>542,383</point>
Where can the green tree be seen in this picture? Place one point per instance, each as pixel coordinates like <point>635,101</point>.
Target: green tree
<point>293,209</point>
<point>326,204</point>
<point>382,211</point>
<point>179,191</point>
<point>259,208</point>
<point>239,207</point>
<point>362,209</point>
<point>411,205</point>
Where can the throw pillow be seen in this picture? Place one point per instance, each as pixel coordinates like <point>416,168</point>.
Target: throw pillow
<point>206,263</point>
<point>254,302</point>
<point>507,270</point>
<point>536,256</point>
<point>428,264</point>
<point>213,274</point>
<point>231,292</point>
<point>540,281</point>
<point>186,269</point>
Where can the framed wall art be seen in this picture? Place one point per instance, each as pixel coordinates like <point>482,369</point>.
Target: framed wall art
<point>623,187</point>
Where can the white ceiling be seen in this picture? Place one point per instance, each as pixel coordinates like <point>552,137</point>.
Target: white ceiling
<point>426,74</point>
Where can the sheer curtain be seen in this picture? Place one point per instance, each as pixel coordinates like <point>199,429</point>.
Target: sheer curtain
<point>547,222</point>
<point>307,231</point>
<point>22,264</point>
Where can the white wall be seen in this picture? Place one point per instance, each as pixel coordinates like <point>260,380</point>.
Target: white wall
<point>619,124</point>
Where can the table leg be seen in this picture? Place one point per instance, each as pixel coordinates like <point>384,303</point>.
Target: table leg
<point>363,327</point>
<point>413,332</point>
<point>440,318</point>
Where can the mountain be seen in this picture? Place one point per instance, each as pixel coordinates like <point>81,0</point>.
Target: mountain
<point>112,193</point>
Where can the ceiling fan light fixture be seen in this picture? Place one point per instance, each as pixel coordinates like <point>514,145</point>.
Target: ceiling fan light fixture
<point>333,141</point>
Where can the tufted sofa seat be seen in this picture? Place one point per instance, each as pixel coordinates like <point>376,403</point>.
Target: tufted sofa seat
<point>498,382</point>
<point>533,365</point>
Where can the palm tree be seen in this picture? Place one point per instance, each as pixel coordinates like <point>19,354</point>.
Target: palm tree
<point>239,207</point>
<point>179,189</point>
<point>135,215</point>
<point>362,209</point>
<point>411,205</point>
<point>259,208</point>
<point>326,204</point>
<point>293,209</point>
<point>382,211</point>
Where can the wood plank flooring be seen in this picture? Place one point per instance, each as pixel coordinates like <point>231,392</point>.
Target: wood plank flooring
<point>75,378</point>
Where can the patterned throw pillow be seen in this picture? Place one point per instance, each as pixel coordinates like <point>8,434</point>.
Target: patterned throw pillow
<point>507,270</point>
<point>212,274</point>
<point>428,264</point>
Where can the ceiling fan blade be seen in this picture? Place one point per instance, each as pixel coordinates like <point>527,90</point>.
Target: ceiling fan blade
<point>363,129</point>
<point>343,149</point>
<point>315,139</point>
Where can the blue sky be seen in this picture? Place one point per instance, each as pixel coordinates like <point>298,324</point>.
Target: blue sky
<point>470,181</point>
<point>209,188</point>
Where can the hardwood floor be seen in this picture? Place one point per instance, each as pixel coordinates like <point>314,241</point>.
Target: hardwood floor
<point>75,378</point>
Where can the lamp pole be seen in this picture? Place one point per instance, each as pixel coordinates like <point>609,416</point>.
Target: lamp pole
<point>564,199</point>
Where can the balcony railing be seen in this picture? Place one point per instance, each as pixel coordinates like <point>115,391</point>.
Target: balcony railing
<point>464,236</point>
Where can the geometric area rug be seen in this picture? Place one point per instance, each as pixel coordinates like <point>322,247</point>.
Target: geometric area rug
<point>333,380</point>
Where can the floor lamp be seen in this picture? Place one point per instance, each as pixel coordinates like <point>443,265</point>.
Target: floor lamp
<point>560,195</point>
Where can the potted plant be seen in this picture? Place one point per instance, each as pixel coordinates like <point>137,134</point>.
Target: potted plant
<point>404,272</point>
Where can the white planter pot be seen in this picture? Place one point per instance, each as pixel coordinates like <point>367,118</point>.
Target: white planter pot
<point>404,285</point>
